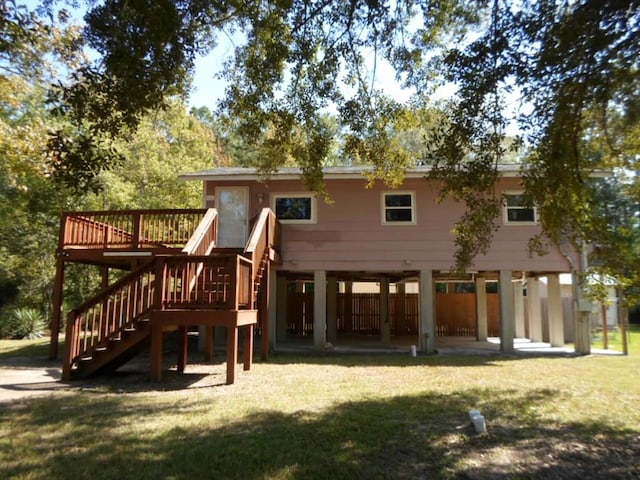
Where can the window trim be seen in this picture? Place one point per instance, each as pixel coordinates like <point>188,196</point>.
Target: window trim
<point>383,207</point>
<point>314,208</point>
<point>505,210</point>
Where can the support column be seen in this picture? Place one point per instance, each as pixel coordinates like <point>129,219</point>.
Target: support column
<point>385,325</point>
<point>57,307</point>
<point>534,309</point>
<point>518,309</point>
<point>183,348</point>
<point>400,313</point>
<point>265,297</point>
<point>582,316</point>
<point>207,333</point>
<point>281,308</point>
<point>348,306</point>
<point>156,353</point>
<point>427,328</point>
<point>232,354</point>
<point>507,314</point>
<point>332,309</point>
<point>273,308</point>
<point>247,351</point>
<point>556,322</point>
<point>482,328</point>
<point>319,309</point>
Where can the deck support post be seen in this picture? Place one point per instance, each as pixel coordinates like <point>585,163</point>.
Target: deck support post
<point>247,351</point>
<point>348,306</point>
<point>156,353</point>
<point>332,309</point>
<point>556,322</point>
<point>518,309</point>
<point>507,314</point>
<point>281,292</point>
<point>427,325</point>
<point>207,348</point>
<point>183,348</point>
<point>232,354</point>
<point>57,307</point>
<point>534,309</point>
<point>482,327</point>
<point>319,309</point>
<point>385,325</point>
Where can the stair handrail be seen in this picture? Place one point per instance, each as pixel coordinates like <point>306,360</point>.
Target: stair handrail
<point>203,239</point>
<point>264,235</point>
<point>98,328</point>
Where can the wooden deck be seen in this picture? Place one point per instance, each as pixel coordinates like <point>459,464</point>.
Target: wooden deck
<point>178,279</point>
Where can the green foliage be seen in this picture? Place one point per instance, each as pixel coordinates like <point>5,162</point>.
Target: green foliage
<point>26,323</point>
<point>572,65</point>
<point>167,143</point>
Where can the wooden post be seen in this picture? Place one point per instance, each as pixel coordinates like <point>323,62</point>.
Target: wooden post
<point>70,340</point>
<point>156,352</point>
<point>183,348</point>
<point>427,325</point>
<point>208,343</point>
<point>319,309</point>
<point>400,327</point>
<point>247,351</point>
<point>482,331</point>
<point>385,326</point>
<point>232,354</point>
<point>57,307</point>
<point>605,329</point>
<point>348,306</point>
<point>507,317</point>
<point>622,320</point>
<point>265,297</point>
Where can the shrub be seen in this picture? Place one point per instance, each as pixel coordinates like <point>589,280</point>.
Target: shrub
<point>22,322</point>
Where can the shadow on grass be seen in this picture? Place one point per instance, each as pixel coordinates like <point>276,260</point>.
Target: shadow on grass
<point>395,359</point>
<point>404,437</point>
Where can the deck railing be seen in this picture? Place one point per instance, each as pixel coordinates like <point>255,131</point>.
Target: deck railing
<point>129,228</point>
<point>211,282</point>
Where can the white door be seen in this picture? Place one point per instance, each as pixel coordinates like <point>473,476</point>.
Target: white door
<point>232,204</point>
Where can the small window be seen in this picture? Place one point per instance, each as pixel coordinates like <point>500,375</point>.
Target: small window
<point>516,210</point>
<point>295,208</point>
<point>398,208</point>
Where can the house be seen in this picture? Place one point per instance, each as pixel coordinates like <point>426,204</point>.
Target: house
<point>269,257</point>
<point>399,244</point>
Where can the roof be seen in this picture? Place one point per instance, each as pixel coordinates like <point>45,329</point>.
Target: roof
<point>245,173</point>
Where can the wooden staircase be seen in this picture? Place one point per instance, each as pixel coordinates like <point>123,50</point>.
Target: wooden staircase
<point>169,288</point>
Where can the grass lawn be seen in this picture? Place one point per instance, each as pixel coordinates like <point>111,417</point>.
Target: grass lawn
<point>340,417</point>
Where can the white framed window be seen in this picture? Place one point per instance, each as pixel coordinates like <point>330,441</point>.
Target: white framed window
<point>295,207</point>
<point>398,208</point>
<point>515,210</point>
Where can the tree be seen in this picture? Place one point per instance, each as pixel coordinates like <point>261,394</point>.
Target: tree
<point>31,53</point>
<point>166,143</point>
<point>573,63</point>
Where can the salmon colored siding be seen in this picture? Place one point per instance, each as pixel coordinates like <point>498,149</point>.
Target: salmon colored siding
<point>349,234</point>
